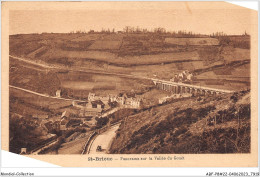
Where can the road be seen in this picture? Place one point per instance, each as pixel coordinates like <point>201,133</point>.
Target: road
<point>45,65</point>
<point>104,140</point>
<point>44,95</point>
<point>33,62</point>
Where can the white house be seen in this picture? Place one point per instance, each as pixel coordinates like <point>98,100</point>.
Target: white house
<point>190,77</point>
<point>58,93</point>
<point>91,96</point>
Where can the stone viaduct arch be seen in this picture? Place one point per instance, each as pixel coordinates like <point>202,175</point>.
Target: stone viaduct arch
<point>180,88</point>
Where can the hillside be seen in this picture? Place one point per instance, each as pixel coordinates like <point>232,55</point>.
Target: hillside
<point>124,63</point>
<point>189,125</point>
<point>216,61</point>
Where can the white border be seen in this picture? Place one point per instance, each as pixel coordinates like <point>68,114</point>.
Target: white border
<point>9,160</point>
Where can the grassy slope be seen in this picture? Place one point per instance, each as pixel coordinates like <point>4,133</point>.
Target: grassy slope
<point>73,84</point>
<point>33,78</point>
<point>182,127</point>
<point>140,54</point>
<point>130,48</point>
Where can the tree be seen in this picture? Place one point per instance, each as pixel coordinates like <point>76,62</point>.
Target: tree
<point>126,29</point>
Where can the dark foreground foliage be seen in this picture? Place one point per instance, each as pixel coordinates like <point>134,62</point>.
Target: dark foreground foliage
<point>214,125</point>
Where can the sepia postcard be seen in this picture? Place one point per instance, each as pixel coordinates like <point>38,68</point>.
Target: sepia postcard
<point>130,84</point>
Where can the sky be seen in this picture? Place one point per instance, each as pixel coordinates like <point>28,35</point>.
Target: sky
<point>204,19</point>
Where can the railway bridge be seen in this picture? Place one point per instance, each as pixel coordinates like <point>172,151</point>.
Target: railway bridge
<point>181,88</point>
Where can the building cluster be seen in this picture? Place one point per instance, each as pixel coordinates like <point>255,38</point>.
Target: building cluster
<point>121,100</point>
<point>183,76</point>
<point>95,106</point>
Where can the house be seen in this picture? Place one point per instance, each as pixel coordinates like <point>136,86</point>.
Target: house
<point>136,102</point>
<point>121,100</point>
<point>190,77</point>
<point>23,151</point>
<point>128,101</point>
<point>104,99</point>
<point>112,97</point>
<point>97,104</point>
<point>91,96</point>
<point>58,93</point>
<point>183,76</point>
<point>132,102</point>
<point>94,108</point>
<point>175,78</point>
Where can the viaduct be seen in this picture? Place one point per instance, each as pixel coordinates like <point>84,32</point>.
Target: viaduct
<point>180,88</point>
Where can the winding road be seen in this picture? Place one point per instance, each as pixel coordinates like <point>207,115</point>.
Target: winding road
<point>104,140</point>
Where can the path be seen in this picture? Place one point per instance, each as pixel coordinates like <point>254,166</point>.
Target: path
<point>43,95</point>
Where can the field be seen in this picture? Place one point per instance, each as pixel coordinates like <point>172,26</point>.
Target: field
<point>103,45</point>
<point>192,41</point>
<point>119,63</point>
<point>235,54</point>
<point>86,37</point>
<point>74,84</point>
<point>101,84</point>
<point>42,104</point>
<point>219,62</point>
<point>111,58</point>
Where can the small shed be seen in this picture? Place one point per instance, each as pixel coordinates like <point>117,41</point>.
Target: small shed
<point>23,150</point>
<point>58,93</point>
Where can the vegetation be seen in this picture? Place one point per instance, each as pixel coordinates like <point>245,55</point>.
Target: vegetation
<point>25,133</point>
<point>209,125</point>
<point>131,51</point>
<point>188,126</point>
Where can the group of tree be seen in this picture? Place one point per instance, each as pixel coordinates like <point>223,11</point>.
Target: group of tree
<point>157,30</point>
<point>221,34</point>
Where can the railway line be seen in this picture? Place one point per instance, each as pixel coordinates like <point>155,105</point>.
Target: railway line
<point>44,95</point>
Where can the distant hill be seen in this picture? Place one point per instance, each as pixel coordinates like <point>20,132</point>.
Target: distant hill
<point>217,61</point>
<point>48,46</point>
<point>191,125</point>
